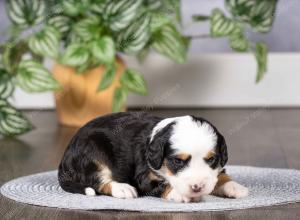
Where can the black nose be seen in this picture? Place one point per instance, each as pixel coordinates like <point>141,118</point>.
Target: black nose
<point>196,188</point>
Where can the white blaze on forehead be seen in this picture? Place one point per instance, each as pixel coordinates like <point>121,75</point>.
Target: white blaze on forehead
<point>193,136</point>
<point>188,135</point>
<point>162,124</point>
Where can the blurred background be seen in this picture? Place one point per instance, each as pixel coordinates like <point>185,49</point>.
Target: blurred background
<point>213,76</point>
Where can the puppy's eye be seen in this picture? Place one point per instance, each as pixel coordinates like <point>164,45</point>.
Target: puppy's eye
<point>211,160</point>
<point>178,162</point>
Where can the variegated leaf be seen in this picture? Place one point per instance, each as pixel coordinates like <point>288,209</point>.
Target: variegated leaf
<point>108,77</point>
<point>98,6</point>
<point>135,37</point>
<point>262,15</point>
<point>134,82</point>
<point>261,53</point>
<point>239,43</point>
<point>158,20</point>
<point>88,28</point>
<point>153,4</point>
<point>33,77</point>
<point>6,84</point>
<point>25,12</point>
<point>75,7</point>
<point>169,42</point>
<point>76,55</point>
<point>12,121</point>
<point>104,49</point>
<point>241,9</point>
<point>61,22</point>
<point>258,13</point>
<point>221,26</point>
<point>118,14</point>
<point>119,99</point>
<point>45,42</point>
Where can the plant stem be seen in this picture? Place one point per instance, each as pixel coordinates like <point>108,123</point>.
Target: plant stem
<point>200,36</point>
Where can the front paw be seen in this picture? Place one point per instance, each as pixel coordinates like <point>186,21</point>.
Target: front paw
<point>233,189</point>
<point>123,190</point>
<point>174,196</point>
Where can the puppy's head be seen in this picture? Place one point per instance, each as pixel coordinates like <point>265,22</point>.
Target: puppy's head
<point>189,153</point>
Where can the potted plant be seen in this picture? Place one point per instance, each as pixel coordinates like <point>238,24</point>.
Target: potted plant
<point>85,39</point>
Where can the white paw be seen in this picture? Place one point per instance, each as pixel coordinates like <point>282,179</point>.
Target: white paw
<point>89,191</point>
<point>123,190</point>
<point>176,197</point>
<point>234,190</point>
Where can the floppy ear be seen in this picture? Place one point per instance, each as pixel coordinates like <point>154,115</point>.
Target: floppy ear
<point>156,147</point>
<point>222,150</point>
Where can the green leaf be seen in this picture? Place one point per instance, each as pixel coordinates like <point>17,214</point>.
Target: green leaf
<point>153,4</point>
<point>240,9</point>
<point>75,55</point>
<point>143,54</point>
<point>98,6</point>
<point>6,84</point>
<point>119,99</point>
<point>221,26</point>
<point>158,20</point>
<point>239,43</point>
<point>13,54</point>
<point>200,17</point>
<point>61,22</point>
<point>75,7</point>
<point>172,7</point>
<point>88,28</point>
<point>26,13</point>
<point>108,77</point>
<point>104,49</point>
<point>134,82</point>
<point>258,13</point>
<point>45,42</point>
<point>136,36</point>
<point>262,15</point>
<point>33,77</point>
<point>83,68</point>
<point>169,42</point>
<point>262,60</point>
<point>118,14</point>
<point>12,122</point>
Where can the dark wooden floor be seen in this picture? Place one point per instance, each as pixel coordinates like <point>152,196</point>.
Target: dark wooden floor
<point>258,137</point>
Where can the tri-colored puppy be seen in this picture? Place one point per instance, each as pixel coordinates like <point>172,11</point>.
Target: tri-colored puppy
<point>126,155</point>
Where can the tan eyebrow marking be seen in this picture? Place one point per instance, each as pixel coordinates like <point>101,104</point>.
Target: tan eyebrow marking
<point>166,191</point>
<point>183,156</point>
<point>210,154</point>
<point>153,176</point>
<point>165,169</point>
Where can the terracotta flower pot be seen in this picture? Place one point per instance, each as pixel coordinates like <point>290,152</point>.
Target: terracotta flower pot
<point>79,102</point>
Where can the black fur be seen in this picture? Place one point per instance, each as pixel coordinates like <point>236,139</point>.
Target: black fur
<point>159,147</point>
<point>122,142</point>
<point>221,157</point>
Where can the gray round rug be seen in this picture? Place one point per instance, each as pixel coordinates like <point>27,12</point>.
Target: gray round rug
<point>266,186</point>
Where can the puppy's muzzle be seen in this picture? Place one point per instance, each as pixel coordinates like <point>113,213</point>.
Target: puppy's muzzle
<point>196,188</point>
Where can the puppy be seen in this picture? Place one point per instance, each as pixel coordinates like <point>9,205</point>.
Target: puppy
<point>132,154</point>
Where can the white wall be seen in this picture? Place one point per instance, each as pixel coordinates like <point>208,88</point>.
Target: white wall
<point>211,80</point>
